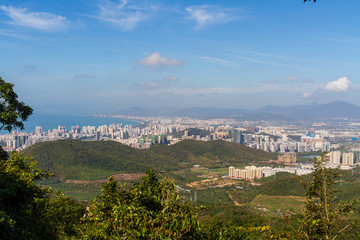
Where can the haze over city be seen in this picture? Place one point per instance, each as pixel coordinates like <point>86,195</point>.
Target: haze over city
<point>100,56</point>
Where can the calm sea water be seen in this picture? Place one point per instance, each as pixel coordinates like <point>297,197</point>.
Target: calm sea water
<point>51,121</point>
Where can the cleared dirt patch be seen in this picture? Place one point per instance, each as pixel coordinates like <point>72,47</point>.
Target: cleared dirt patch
<point>128,176</point>
<point>120,176</point>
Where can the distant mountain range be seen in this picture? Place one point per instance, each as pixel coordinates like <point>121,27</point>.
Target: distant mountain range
<point>333,110</point>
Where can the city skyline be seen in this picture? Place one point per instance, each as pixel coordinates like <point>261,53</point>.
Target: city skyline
<point>96,56</point>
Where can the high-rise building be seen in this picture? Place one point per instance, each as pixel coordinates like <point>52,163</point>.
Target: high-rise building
<point>274,147</point>
<point>246,138</point>
<point>300,147</point>
<point>335,157</point>
<point>250,172</point>
<point>292,147</point>
<point>348,158</point>
<point>231,171</point>
<point>97,135</point>
<point>282,148</point>
<point>237,173</point>
<point>237,136</point>
<point>325,146</point>
<point>243,174</point>
<point>287,158</point>
<point>38,130</point>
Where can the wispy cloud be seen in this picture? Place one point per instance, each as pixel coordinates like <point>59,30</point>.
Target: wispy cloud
<point>257,89</point>
<point>307,80</point>
<point>270,81</point>
<point>205,15</point>
<point>38,20</point>
<point>31,67</point>
<point>12,33</point>
<point>84,75</point>
<point>153,84</point>
<point>158,82</point>
<point>156,60</point>
<point>171,79</point>
<point>291,79</point>
<point>275,63</point>
<point>217,60</point>
<point>341,39</point>
<point>123,15</point>
<point>306,95</point>
<point>343,84</point>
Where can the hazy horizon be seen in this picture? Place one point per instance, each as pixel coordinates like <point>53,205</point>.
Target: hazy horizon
<point>100,56</point>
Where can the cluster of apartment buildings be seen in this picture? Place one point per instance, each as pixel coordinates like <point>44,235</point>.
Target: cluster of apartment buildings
<point>252,172</point>
<point>344,158</point>
<point>287,158</point>
<point>158,132</point>
<point>282,144</point>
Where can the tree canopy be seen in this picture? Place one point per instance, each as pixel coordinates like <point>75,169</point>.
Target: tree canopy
<point>12,111</point>
<point>28,211</point>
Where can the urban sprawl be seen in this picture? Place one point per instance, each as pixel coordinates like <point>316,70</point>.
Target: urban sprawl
<point>266,136</point>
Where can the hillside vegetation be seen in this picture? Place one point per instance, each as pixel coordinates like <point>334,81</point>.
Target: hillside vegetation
<point>92,160</point>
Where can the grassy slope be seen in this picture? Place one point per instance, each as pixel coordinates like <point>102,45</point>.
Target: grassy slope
<point>272,191</point>
<point>91,160</point>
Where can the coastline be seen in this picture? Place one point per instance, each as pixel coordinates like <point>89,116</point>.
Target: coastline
<point>50,121</point>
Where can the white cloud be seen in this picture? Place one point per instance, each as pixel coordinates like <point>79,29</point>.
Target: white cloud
<point>122,14</point>
<point>343,84</point>
<point>208,15</point>
<point>38,20</point>
<point>156,59</point>
<point>306,95</point>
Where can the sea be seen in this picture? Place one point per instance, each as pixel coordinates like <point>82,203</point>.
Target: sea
<point>53,120</point>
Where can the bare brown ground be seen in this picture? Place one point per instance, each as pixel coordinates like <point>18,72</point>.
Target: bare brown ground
<point>235,202</point>
<point>120,176</point>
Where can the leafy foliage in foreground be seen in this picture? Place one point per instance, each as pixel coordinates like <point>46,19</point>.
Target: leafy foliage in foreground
<point>21,200</point>
<point>151,210</point>
<point>28,211</point>
<point>92,160</point>
<point>322,212</point>
<point>12,111</point>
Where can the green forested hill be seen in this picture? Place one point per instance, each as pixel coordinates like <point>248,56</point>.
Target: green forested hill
<point>91,160</point>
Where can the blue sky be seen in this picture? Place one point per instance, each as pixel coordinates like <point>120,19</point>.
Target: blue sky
<point>99,55</point>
